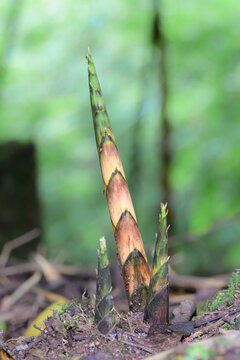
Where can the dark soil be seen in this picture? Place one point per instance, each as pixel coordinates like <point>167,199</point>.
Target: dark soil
<point>72,334</point>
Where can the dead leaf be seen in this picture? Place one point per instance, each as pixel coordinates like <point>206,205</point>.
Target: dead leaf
<point>39,321</point>
<point>4,355</point>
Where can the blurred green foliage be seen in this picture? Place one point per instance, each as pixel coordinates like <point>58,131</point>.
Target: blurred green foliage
<point>44,97</point>
<point>197,352</point>
<point>226,297</point>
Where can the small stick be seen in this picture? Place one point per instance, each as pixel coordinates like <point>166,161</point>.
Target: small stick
<point>177,299</point>
<point>129,324</point>
<point>15,243</point>
<point>142,347</point>
<point>49,270</point>
<point>215,318</point>
<point>8,301</point>
<point>18,269</point>
<point>6,316</point>
<point>68,270</point>
<point>198,282</point>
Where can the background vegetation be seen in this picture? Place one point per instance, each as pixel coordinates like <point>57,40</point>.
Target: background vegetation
<point>44,98</point>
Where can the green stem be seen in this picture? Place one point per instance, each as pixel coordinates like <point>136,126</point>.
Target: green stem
<point>105,314</point>
<point>100,117</point>
<point>157,306</point>
<point>131,250</point>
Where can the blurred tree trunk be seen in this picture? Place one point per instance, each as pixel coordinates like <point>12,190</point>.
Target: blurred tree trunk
<point>20,210</point>
<point>165,156</point>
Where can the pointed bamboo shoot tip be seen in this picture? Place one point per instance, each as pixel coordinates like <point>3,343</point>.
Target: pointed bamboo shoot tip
<point>102,244</point>
<point>163,206</point>
<point>89,55</point>
<point>163,211</point>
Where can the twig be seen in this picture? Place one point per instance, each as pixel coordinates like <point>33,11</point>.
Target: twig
<point>6,316</point>
<point>18,269</point>
<point>69,270</point>
<point>198,282</point>
<point>8,283</point>
<point>15,243</point>
<point>37,327</point>
<point>140,346</point>
<point>216,318</point>
<point>177,299</point>
<point>49,270</point>
<point>207,329</point>
<point>72,270</point>
<point>8,301</point>
<point>125,318</point>
<point>129,324</point>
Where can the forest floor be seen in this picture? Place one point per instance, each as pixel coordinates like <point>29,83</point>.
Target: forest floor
<point>211,332</point>
<point>73,335</point>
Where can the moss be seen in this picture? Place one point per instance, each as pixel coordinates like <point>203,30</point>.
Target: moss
<point>232,326</point>
<point>64,355</point>
<point>64,308</point>
<point>201,307</point>
<point>225,298</point>
<point>234,284</point>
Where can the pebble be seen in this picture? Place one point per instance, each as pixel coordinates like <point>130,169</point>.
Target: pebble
<point>21,347</point>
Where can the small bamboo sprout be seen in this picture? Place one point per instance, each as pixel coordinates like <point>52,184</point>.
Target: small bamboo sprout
<point>130,247</point>
<point>157,307</point>
<point>105,314</point>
